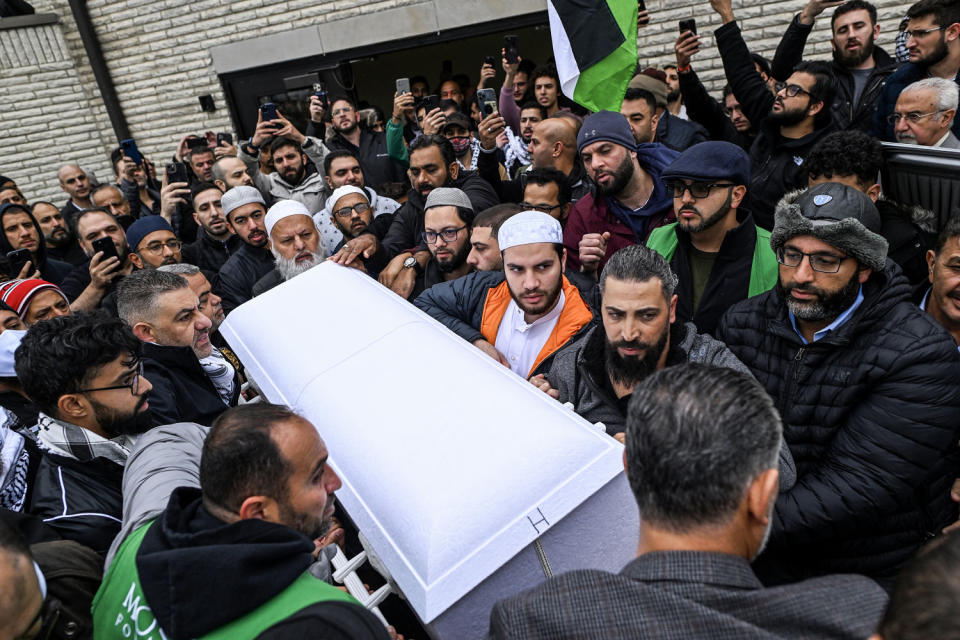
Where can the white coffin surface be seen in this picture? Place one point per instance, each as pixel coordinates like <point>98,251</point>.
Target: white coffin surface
<point>451,464</point>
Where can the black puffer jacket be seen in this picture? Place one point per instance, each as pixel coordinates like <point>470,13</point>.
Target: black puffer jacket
<point>871,413</point>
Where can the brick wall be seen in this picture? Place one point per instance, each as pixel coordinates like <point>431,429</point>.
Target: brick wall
<point>157,52</point>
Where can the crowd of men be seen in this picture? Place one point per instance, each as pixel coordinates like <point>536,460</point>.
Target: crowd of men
<point>718,280</point>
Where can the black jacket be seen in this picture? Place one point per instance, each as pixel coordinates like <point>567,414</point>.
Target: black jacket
<point>267,282</point>
<point>407,227</point>
<point>71,254</point>
<point>51,270</point>
<point>677,133</point>
<point>252,560</point>
<point>706,111</point>
<point>181,392</point>
<point>846,114</point>
<point>729,279</point>
<point>210,254</point>
<point>871,413</point>
<point>378,167</point>
<point>776,164</point>
<point>82,501</point>
<point>512,190</point>
<point>776,168</point>
<point>240,272</point>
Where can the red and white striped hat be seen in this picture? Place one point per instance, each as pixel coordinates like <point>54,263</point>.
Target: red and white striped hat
<point>18,293</point>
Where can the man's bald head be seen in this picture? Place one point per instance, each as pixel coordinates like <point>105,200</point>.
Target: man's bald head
<point>559,130</point>
<point>74,181</point>
<point>20,595</point>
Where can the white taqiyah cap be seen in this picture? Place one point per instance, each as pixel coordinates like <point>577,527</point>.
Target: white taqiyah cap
<point>281,210</point>
<point>529,227</point>
<point>239,196</point>
<point>9,341</point>
<point>345,190</point>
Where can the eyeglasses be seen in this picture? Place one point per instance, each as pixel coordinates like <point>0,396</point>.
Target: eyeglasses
<point>542,208</point>
<point>449,235</point>
<point>916,34</point>
<point>133,385</point>
<point>914,117</point>
<point>345,212</point>
<point>157,247</point>
<point>696,189</point>
<point>824,263</point>
<point>791,90</point>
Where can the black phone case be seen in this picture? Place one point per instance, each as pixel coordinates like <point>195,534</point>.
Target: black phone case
<point>109,250</point>
<point>17,259</point>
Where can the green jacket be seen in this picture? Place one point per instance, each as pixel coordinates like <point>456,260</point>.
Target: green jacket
<point>121,611</point>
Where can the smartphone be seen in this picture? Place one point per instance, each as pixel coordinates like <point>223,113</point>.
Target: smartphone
<point>688,25</point>
<point>268,111</point>
<point>106,246</point>
<point>130,150</point>
<point>487,101</point>
<point>403,86</point>
<point>197,142</point>
<point>320,90</point>
<point>490,60</point>
<point>433,102</point>
<point>642,6</point>
<point>17,260</point>
<point>512,53</point>
<point>224,137</point>
<point>176,172</point>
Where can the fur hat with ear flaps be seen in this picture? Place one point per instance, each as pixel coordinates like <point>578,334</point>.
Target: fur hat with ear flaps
<point>838,215</point>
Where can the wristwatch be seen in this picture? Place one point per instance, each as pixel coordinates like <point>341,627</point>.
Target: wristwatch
<point>411,263</point>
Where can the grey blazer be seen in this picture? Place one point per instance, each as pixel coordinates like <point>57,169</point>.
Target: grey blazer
<point>952,142</point>
<point>686,595</point>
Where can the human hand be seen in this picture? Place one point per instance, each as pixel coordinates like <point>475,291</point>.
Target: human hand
<point>128,168</point>
<point>264,130</point>
<point>390,272</point>
<point>317,108</point>
<point>621,437</point>
<point>509,68</point>
<point>433,121</point>
<point>491,351</point>
<point>815,8</point>
<point>224,150</point>
<point>402,107</point>
<point>593,247</point>
<point>687,44</point>
<point>364,245</point>
<point>487,72</point>
<point>724,8</point>
<point>285,129</point>
<point>172,195</point>
<point>27,271</point>
<point>404,283</point>
<point>491,127</point>
<point>540,382</point>
<point>955,496</point>
<point>643,19</point>
<point>102,272</point>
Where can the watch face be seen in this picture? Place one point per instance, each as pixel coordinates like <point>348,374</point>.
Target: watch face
<point>409,262</point>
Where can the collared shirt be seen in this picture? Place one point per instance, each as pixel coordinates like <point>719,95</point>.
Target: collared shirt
<point>520,342</point>
<point>833,326</point>
<point>940,142</point>
<point>71,441</point>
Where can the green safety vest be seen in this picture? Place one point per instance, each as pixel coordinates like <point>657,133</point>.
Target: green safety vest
<point>763,273</point>
<point>121,611</point>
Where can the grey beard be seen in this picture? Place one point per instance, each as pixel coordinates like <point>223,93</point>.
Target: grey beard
<point>289,268</point>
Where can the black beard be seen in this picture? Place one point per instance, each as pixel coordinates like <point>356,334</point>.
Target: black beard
<point>935,56</point>
<point>708,221</point>
<point>456,261</point>
<point>62,241</point>
<point>673,95</point>
<point>827,306</point>
<point>866,51</point>
<point>621,178</point>
<point>789,117</point>
<point>297,179</point>
<point>116,425</point>
<point>630,371</point>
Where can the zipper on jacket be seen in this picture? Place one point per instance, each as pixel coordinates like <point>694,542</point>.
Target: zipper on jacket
<point>796,363</point>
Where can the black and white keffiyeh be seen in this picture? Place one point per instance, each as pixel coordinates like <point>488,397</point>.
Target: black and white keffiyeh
<point>221,374</point>
<point>516,151</point>
<point>14,462</point>
<point>69,440</point>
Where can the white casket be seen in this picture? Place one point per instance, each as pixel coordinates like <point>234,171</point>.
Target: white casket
<point>469,484</point>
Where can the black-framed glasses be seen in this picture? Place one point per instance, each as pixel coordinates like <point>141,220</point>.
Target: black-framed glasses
<point>790,90</point>
<point>448,235</point>
<point>346,212</point>
<point>822,262</point>
<point>916,34</point>
<point>696,189</point>
<point>542,208</point>
<point>157,247</point>
<point>913,117</point>
<point>133,385</point>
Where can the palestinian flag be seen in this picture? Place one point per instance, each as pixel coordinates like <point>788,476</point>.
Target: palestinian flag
<point>595,46</point>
